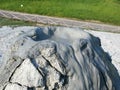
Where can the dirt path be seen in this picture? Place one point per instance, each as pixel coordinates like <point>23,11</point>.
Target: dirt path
<point>59,21</point>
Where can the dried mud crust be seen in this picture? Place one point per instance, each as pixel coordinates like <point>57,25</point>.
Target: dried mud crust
<point>54,58</point>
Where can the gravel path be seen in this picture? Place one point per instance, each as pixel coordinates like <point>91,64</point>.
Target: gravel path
<point>58,21</point>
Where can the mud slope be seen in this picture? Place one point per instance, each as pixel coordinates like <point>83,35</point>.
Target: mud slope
<point>54,58</point>
<point>111,44</point>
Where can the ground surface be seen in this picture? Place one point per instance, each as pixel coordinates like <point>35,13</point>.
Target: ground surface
<point>107,11</point>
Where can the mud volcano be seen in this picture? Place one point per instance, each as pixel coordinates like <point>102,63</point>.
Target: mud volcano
<point>54,58</point>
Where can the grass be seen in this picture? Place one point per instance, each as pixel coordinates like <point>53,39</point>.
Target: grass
<point>10,22</point>
<point>107,11</point>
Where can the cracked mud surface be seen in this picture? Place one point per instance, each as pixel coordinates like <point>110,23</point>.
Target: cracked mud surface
<point>54,58</point>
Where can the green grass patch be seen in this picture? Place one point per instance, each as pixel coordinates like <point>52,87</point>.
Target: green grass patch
<point>10,22</point>
<point>107,11</point>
